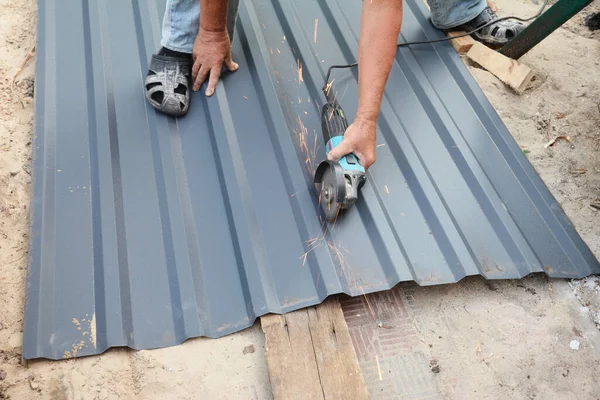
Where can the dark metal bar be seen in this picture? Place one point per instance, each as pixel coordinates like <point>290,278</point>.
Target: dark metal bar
<point>544,25</point>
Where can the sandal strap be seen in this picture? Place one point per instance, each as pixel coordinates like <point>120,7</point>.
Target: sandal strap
<point>483,18</point>
<point>158,63</point>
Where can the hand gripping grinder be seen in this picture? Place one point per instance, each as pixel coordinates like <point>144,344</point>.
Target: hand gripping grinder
<point>338,181</point>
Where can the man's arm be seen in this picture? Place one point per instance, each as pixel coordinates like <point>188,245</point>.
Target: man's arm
<point>212,47</point>
<point>379,30</point>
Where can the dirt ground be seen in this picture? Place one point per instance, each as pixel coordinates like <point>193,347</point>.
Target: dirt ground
<point>527,339</point>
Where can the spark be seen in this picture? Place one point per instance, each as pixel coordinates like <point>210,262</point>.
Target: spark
<point>316,27</point>
<point>340,257</point>
<point>299,99</point>
<point>378,367</point>
<point>284,37</point>
<point>345,90</point>
<point>277,50</point>
<point>314,154</point>
<point>271,51</point>
<point>328,87</point>
<point>386,189</point>
<point>305,112</point>
<point>246,97</point>
<point>264,27</point>
<point>302,136</point>
<point>368,304</point>
<point>380,145</point>
<point>314,243</point>
<point>343,248</point>
<point>333,109</point>
<point>309,99</point>
<point>294,195</point>
<point>300,80</point>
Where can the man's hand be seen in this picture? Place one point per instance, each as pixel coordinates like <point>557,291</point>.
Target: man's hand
<point>211,51</point>
<point>358,139</point>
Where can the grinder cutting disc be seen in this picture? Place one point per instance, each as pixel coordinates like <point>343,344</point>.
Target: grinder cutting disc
<point>330,176</point>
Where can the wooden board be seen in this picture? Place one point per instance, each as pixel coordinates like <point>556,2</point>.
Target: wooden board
<point>514,74</point>
<point>461,44</point>
<point>310,355</point>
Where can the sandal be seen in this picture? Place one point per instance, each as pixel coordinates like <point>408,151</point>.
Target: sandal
<point>496,34</point>
<point>168,84</point>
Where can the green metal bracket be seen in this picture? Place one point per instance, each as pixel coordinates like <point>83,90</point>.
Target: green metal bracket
<point>541,27</point>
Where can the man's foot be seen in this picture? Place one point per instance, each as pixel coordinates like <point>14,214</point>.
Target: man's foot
<point>168,82</point>
<point>494,35</point>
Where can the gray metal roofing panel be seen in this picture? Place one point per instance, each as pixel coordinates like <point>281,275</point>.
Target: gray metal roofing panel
<point>146,231</point>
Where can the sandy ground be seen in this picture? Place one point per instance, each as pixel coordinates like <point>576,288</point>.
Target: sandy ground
<point>510,339</point>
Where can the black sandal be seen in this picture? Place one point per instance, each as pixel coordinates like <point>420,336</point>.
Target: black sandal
<point>168,84</point>
<point>496,34</point>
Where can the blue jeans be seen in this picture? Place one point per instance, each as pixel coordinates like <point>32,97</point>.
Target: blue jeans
<point>446,14</point>
<point>182,17</point>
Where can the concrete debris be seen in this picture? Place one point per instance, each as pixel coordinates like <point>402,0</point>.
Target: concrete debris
<point>575,344</point>
<point>248,349</point>
<point>434,366</point>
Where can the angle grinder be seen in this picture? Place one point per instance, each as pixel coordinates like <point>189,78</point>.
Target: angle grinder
<point>339,181</point>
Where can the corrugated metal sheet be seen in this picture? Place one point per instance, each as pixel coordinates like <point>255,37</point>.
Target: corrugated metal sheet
<point>146,231</point>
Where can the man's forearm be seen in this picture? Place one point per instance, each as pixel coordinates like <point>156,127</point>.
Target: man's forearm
<point>213,15</point>
<point>379,29</point>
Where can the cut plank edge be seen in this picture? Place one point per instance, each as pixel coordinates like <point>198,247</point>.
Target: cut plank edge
<point>461,44</point>
<point>514,74</point>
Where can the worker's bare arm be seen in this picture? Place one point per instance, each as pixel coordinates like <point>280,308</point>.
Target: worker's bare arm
<point>379,30</point>
<point>212,47</point>
<point>380,25</point>
<point>213,15</point>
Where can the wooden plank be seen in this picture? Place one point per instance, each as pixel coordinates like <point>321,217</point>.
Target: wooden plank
<point>339,371</point>
<point>310,355</point>
<point>461,44</point>
<point>290,357</point>
<point>511,72</point>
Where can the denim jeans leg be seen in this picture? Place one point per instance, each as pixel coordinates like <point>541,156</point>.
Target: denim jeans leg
<point>181,21</point>
<point>232,14</point>
<point>446,14</point>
